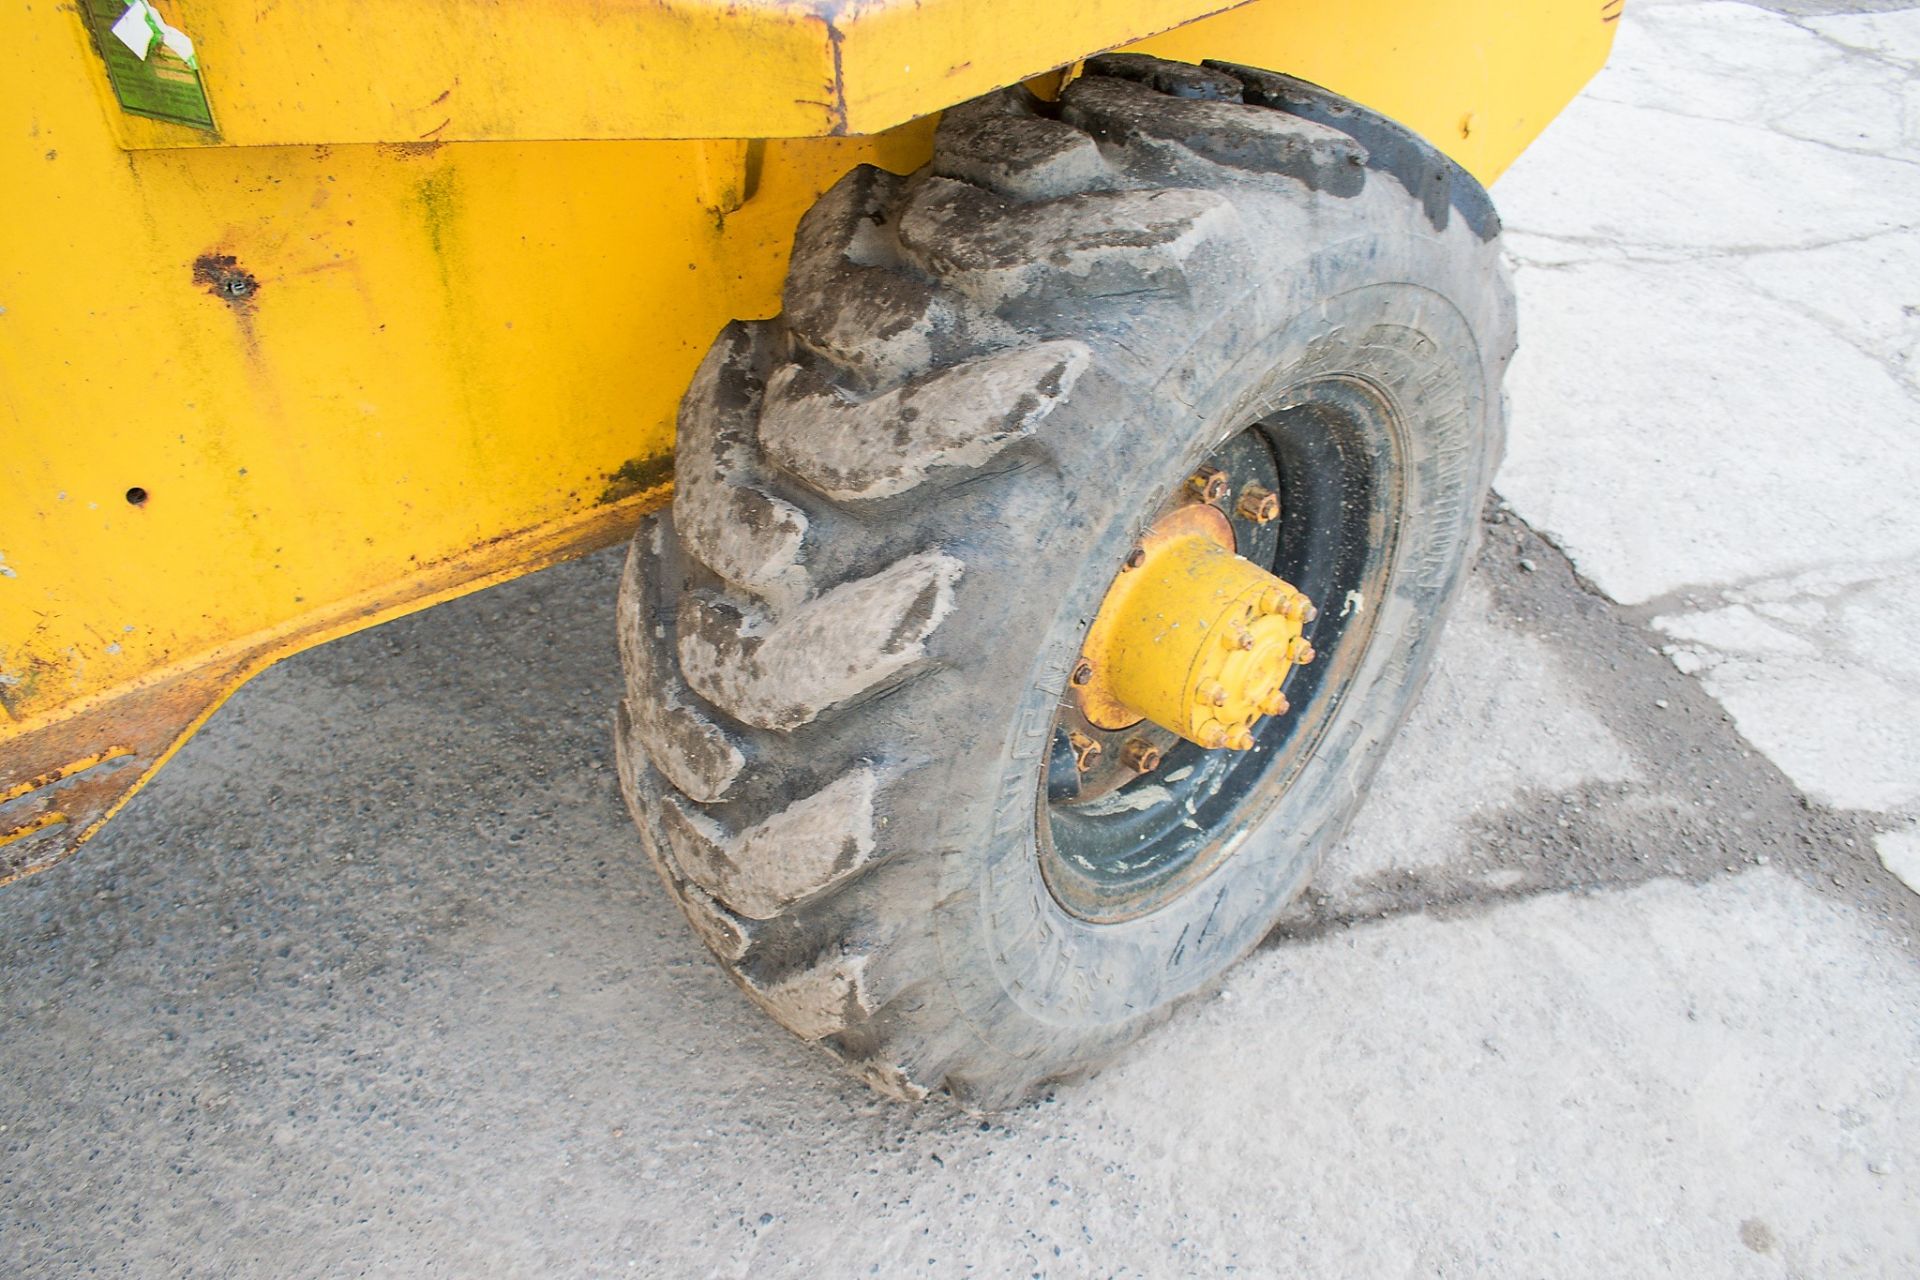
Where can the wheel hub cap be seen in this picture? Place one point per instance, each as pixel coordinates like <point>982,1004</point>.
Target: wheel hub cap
<point>1191,636</point>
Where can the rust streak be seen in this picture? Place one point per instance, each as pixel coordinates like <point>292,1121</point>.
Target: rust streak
<point>221,275</point>
<point>52,776</point>
<point>54,818</point>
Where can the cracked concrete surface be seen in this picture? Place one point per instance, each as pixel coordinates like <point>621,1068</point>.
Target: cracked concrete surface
<point>1567,753</point>
<point>1717,405</point>
<point>1615,974</point>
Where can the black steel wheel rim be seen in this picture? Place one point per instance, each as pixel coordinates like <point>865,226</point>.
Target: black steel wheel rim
<point>1332,454</point>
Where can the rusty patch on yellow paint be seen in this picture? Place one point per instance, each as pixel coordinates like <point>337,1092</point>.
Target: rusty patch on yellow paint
<point>71,783</point>
<point>61,774</point>
<point>221,275</point>
<point>409,150</point>
<point>33,827</point>
<point>635,475</point>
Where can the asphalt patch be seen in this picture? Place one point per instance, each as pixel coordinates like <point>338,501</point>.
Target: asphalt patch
<point>1716,805</point>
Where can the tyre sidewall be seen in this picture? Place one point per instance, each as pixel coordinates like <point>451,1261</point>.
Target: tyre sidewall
<point>1036,981</point>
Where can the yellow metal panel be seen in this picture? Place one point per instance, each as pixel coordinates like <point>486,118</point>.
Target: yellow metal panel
<point>904,58</point>
<point>1478,78</point>
<point>344,71</point>
<point>325,368</point>
<point>462,70</point>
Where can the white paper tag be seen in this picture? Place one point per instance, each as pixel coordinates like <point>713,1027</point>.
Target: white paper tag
<point>134,31</point>
<point>176,39</point>
<point>139,25</point>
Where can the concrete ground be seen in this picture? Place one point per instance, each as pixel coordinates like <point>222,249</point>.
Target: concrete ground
<point>1616,974</point>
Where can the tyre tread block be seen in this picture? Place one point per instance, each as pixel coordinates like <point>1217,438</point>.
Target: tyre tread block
<point>724,516</point>
<point>958,417</point>
<point>1001,143</point>
<point>1174,79</point>
<point>1428,174</point>
<point>694,751</point>
<point>1246,139</point>
<point>818,1001</point>
<point>1097,244</point>
<point>782,672</point>
<point>808,847</point>
<point>646,794</point>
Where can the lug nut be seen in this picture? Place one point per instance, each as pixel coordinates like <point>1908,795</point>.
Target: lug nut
<point>1257,504</point>
<point>1275,704</point>
<point>1082,672</point>
<point>1239,738</point>
<point>1276,600</point>
<point>1299,651</point>
<point>1209,484</point>
<point>1085,750</point>
<point>1140,755</point>
<point>1237,637</point>
<point>1212,735</point>
<point>1213,693</point>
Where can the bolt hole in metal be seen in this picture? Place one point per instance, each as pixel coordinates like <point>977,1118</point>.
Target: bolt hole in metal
<point>136,497</point>
<point>1131,818</point>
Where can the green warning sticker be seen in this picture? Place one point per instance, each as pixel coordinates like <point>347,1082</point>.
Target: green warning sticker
<point>151,64</point>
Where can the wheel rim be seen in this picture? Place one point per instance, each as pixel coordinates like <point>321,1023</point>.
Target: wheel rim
<point>1117,841</point>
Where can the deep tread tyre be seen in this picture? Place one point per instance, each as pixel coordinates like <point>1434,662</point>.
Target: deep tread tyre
<point>898,506</point>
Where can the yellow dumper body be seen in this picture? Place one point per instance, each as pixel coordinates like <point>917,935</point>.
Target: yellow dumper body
<point>316,314</point>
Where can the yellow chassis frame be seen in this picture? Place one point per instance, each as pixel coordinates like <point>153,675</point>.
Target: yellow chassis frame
<point>414,318</point>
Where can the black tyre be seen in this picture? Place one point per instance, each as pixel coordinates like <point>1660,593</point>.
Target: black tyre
<point>900,504</point>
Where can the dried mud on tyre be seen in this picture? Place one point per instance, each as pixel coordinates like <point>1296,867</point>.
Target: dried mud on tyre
<point>899,504</point>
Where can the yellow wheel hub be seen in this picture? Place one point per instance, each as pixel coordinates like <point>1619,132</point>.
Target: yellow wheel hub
<point>1191,636</point>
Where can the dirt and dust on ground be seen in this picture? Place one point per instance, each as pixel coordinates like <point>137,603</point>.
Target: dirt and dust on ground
<point>1701,802</point>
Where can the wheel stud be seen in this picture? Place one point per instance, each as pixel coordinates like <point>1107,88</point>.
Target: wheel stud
<point>1213,693</point>
<point>1082,672</point>
<point>1239,738</point>
<point>1258,504</point>
<point>1209,484</point>
<point>1086,752</point>
<point>1275,704</point>
<point>1299,651</point>
<point>1140,755</point>
<point>1212,735</point>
